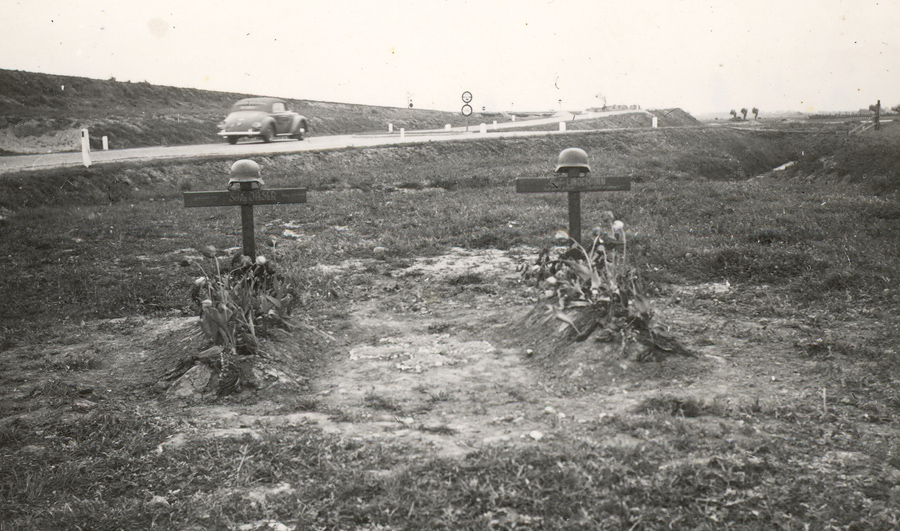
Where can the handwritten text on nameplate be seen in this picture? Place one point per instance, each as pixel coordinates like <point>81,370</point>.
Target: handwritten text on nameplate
<point>254,197</point>
<point>272,196</point>
<point>568,184</point>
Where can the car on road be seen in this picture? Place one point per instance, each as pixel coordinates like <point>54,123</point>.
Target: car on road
<point>265,118</point>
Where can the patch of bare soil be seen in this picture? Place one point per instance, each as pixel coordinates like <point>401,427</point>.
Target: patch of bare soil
<point>81,366</point>
<point>50,142</point>
<point>447,359</point>
<point>437,355</point>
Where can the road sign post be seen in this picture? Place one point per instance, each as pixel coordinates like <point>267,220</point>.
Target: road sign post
<point>574,169</point>
<point>245,190</point>
<point>466,108</point>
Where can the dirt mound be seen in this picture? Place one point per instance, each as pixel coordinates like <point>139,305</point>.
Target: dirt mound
<point>575,350</point>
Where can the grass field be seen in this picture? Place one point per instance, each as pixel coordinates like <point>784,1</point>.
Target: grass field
<point>784,283</point>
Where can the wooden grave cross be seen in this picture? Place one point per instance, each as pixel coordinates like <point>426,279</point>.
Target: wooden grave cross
<point>573,180</point>
<point>245,189</point>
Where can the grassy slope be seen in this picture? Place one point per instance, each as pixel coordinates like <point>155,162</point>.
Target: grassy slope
<point>42,112</point>
<point>141,114</point>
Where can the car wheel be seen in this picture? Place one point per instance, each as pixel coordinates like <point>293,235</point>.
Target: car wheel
<point>300,131</point>
<point>233,140</point>
<point>268,133</point>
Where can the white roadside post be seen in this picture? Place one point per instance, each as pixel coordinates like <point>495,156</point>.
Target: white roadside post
<point>402,132</point>
<point>447,127</point>
<point>483,128</point>
<point>105,144</point>
<point>390,128</point>
<point>562,126</point>
<point>655,122</point>
<point>85,148</point>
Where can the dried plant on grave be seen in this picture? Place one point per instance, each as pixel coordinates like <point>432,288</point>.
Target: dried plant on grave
<point>595,292</point>
<point>237,307</point>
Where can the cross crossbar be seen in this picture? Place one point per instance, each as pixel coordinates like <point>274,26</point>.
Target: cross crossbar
<point>246,198</point>
<point>574,182</point>
<point>264,196</point>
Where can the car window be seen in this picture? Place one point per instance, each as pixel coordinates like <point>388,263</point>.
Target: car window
<point>248,107</point>
<point>278,107</point>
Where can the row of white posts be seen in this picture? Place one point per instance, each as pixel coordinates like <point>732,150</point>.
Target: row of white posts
<point>483,127</point>
<point>86,147</point>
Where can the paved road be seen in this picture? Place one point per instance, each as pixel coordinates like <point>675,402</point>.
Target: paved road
<point>314,143</point>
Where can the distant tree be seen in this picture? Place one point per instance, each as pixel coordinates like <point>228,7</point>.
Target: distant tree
<point>896,108</point>
<point>744,112</point>
<point>733,113</point>
<point>755,112</point>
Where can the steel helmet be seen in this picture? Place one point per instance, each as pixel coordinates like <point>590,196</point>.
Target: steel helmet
<point>572,158</point>
<point>245,171</point>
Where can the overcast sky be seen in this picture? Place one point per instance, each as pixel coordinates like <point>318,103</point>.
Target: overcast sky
<point>702,56</point>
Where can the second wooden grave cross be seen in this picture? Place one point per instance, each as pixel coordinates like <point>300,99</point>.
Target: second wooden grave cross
<point>245,188</point>
<point>573,163</point>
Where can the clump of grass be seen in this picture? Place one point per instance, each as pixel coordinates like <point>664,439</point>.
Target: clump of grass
<point>438,430</point>
<point>440,396</point>
<point>440,328</point>
<point>55,388</point>
<point>676,406</point>
<point>465,279</point>
<point>379,402</point>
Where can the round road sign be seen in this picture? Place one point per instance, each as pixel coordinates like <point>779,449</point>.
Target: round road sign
<point>466,96</point>
<point>467,110</point>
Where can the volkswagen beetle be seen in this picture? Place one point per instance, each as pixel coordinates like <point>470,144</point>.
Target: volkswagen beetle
<point>265,118</point>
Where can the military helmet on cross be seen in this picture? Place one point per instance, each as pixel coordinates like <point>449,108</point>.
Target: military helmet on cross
<point>572,158</point>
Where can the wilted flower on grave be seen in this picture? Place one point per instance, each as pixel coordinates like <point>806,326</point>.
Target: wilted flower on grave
<point>561,235</point>
<point>209,251</point>
<point>617,226</point>
<point>206,303</point>
<point>246,260</point>
<point>261,260</point>
<point>199,282</point>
